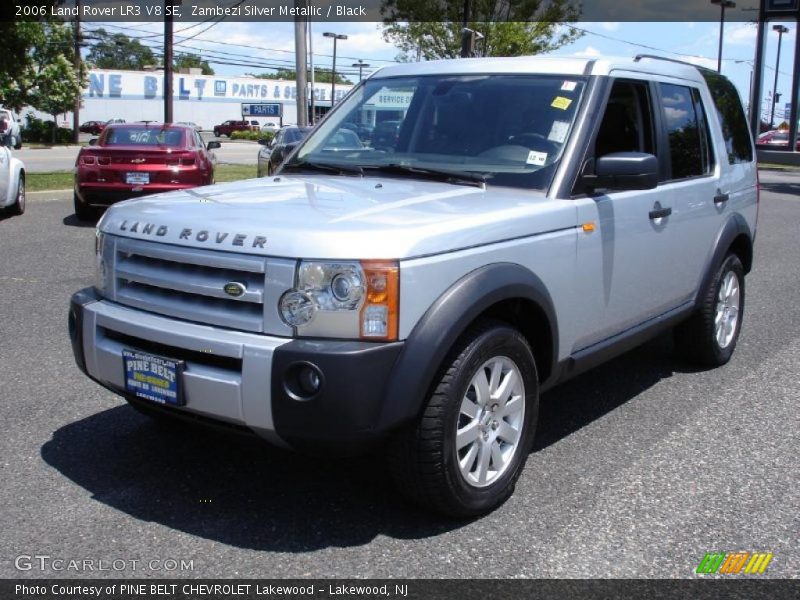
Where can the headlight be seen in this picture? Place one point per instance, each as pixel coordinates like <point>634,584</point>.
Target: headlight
<point>344,299</point>
<point>100,273</point>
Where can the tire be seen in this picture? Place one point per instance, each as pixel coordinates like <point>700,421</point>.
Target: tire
<point>436,462</point>
<point>18,207</point>
<point>83,211</point>
<point>709,337</point>
<point>216,133</point>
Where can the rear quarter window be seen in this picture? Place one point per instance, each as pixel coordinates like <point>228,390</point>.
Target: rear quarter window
<point>731,117</point>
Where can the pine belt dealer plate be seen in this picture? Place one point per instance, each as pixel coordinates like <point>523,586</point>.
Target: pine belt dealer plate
<point>136,178</point>
<point>153,378</point>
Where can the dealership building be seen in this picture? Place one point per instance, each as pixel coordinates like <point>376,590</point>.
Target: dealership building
<point>207,100</point>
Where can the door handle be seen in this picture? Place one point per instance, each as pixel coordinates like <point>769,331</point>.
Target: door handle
<point>721,198</point>
<point>660,213</point>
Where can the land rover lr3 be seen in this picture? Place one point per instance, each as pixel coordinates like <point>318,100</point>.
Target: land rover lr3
<point>532,218</point>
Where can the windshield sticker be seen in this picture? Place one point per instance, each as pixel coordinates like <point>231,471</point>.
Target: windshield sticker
<point>558,132</point>
<point>536,158</point>
<point>569,86</point>
<point>561,102</point>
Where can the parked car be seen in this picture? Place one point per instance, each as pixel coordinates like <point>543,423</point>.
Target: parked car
<point>269,126</point>
<point>776,137</point>
<point>363,130</point>
<point>342,141</point>
<point>419,300</point>
<point>92,127</point>
<point>12,178</point>
<point>136,159</point>
<point>228,127</point>
<point>114,121</point>
<point>191,124</point>
<point>271,154</point>
<point>384,135</point>
<point>9,126</point>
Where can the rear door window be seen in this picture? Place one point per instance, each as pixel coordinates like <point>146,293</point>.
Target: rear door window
<point>686,130</point>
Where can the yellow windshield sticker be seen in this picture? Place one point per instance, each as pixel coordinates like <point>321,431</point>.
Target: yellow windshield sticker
<point>561,102</point>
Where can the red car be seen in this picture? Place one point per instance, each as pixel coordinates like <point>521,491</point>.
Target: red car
<point>228,127</point>
<point>136,159</point>
<point>92,127</point>
<point>776,137</point>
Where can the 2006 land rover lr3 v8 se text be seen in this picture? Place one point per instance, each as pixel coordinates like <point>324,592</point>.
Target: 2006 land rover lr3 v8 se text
<point>531,218</point>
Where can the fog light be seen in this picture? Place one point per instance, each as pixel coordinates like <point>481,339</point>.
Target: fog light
<point>303,381</point>
<point>309,381</point>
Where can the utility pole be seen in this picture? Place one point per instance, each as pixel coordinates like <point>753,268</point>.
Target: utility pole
<point>781,29</point>
<point>168,4</point>
<point>723,4</point>
<point>361,65</point>
<point>300,65</point>
<point>311,69</point>
<point>336,37</point>
<point>466,33</point>
<point>76,111</point>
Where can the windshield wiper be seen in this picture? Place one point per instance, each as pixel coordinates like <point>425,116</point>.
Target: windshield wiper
<point>457,177</point>
<point>328,167</point>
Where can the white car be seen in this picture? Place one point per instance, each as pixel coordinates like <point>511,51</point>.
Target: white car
<point>12,179</point>
<point>10,126</point>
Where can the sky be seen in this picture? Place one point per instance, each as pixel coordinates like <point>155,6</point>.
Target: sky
<point>257,44</point>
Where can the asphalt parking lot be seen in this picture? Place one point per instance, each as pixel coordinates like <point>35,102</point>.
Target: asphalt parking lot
<point>641,466</point>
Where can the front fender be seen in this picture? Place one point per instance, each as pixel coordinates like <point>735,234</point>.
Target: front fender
<point>446,320</point>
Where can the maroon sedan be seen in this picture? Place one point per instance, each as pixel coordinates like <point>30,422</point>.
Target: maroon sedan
<point>135,159</point>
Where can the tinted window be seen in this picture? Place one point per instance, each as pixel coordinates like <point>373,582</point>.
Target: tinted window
<point>143,136</point>
<point>685,128</point>
<point>731,117</point>
<point>452,123</point>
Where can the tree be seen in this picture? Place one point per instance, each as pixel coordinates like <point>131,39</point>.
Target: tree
<point>430,29</point>
<point>118,51</point>
<point>53,85</point>
<point>193,61</point>
<point>320,76</point>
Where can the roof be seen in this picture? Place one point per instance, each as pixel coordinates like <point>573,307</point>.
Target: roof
<point>544,65</point>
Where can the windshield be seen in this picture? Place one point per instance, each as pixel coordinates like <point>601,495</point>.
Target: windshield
<point>507,129</point>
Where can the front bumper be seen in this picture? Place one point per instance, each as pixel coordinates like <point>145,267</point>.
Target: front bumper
<point>243,379</point>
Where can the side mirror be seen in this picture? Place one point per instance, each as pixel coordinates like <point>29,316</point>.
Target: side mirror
<point>213,145</point>
<point>625,171</point>
<point>93,142</point>
<point>264,142</point>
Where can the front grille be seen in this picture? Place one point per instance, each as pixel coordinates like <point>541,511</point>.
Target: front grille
<point>188,283</point>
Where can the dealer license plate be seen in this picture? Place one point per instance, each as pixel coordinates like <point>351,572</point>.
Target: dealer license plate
<point>153,378</point>
<point>137,178</point>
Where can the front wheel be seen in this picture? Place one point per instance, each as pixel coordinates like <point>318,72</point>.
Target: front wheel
<point>466,451</point>
<point>709,337</point>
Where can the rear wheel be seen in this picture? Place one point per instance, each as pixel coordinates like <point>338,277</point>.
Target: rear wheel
<point>83,211</point>
<point>709,337</point>
<point>465,453</point>
<point>19,204</point>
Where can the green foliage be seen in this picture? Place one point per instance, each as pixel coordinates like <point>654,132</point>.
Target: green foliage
<point>252,135</point>
<point>320,76</point>
<point>429,30</point>
<point>193,61</point>
<point>36,130</point>
<point>118,51</point>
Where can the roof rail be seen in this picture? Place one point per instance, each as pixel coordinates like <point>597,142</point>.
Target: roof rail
<point>639,57</point>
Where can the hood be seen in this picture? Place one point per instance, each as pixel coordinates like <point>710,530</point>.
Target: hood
<point>338,217</point>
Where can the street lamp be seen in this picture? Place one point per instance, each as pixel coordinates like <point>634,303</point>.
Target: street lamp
<point>335,36</point>
<point>781,30</point>
<point>750,86</point>
<point>723,4</point>
<point>361,65</point>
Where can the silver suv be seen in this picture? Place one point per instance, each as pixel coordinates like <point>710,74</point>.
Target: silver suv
<point>528,219</point>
